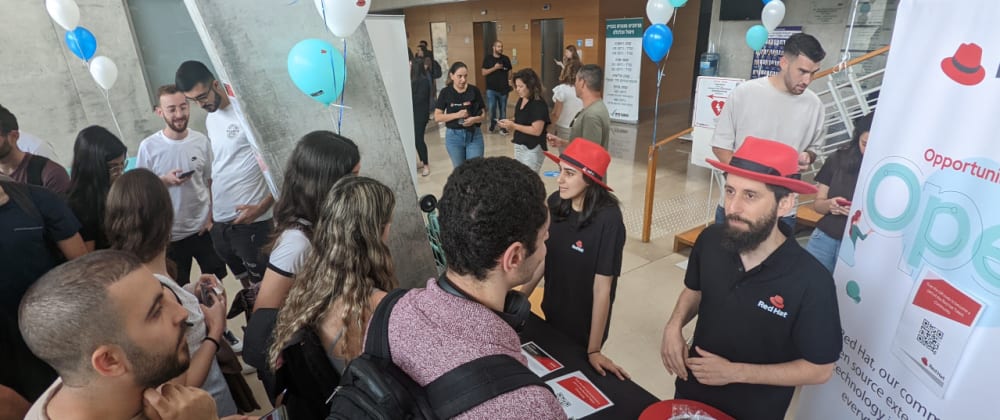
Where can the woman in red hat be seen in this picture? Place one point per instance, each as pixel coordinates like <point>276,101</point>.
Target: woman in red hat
<point>584,257</point>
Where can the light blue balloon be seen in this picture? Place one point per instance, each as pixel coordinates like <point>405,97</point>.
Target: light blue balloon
<point>678,3</point>
<point>757,37</point>
<point>317,69</point>
<point>81,43</point>
<point>657,41</point>
<point>766,1</point>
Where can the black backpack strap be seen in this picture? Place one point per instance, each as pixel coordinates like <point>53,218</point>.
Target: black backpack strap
<point>377,343</point>
<point>476,382</point>
<point>36,164</point>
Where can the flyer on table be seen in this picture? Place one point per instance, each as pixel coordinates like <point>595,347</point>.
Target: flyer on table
<point>539,361</point>
<point>578,396</point>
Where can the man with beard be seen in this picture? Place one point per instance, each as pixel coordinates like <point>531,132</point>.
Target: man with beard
<point>496,70</point>
<point>182,158</point>
<point>26,167</point>
<point>241,201</point>
<point>115,336</point>
<point>767,310</point>
<point>779,107</point>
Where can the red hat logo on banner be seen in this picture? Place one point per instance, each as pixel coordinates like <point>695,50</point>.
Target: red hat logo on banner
<point>965,67</point>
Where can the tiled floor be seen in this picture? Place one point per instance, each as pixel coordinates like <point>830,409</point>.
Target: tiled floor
<point>651,281</point>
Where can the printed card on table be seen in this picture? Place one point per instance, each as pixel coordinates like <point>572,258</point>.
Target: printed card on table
<point>578,396</point>
<point>933,332</point>
<point>539,361</point>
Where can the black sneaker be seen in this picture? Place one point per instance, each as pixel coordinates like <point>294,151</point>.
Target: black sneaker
<point>234,342</point>
<point>493,127</point>
<point>504,131</point>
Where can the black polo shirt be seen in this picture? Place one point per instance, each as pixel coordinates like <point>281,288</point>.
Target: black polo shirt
<point>780,311</point>
<point>498,81</point>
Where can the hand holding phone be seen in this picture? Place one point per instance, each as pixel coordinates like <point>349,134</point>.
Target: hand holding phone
<point>186,174</point>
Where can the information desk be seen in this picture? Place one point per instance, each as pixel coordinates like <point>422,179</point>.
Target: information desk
<point>629,398</point>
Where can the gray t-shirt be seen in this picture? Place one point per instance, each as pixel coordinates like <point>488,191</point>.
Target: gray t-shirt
<point>756,108</point>
<point>592,123</point>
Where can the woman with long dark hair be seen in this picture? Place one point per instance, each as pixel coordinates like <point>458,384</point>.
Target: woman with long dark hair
<point>836,181</point>
<point>461,107</point>
<point>98,159</point>
<point>584,257</point>
<point>570,54</point>
<point>531,116</point>
<point>420,87</point>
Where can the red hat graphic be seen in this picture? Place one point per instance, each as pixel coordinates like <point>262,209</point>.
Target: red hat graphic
<point>769,162</point>
<point>964,67</point>
<point>589,157</point>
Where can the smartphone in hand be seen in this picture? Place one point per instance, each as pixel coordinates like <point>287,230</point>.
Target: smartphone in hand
<point>186,174</point>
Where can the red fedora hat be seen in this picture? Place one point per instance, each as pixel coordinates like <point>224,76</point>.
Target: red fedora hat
<point>965,66</point>
<point>769,162</point>
<point>587,156</point>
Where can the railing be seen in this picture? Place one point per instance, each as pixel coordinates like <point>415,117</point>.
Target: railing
<point>843,113</point>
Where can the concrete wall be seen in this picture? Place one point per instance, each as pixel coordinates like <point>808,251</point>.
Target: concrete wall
<point>51,91</point>
<point>248,42</point>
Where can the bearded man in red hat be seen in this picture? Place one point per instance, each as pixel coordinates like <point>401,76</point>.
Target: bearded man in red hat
<point>767,310</point>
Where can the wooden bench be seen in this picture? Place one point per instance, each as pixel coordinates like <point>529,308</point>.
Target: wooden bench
<point>805,216</point>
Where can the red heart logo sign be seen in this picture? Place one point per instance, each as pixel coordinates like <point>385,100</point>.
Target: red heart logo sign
<point>717,107</point>
<point>778,301</point>
<point>361,3</point>
<point>924,359</point>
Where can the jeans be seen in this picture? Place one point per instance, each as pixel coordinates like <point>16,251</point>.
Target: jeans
<point>463,145</point>
<point>198,246</point>
<point>824,248</point>
<point>531,157</point>
<point>720,217</point>
<point>241,247</point>
<point>497,103</point>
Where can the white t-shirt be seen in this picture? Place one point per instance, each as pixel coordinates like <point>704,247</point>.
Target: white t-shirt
<point>191,199</point>
<point>572,105</point>
<point>215,383</point>
<point>236,176</point>
<point>32,144</point>
<point>756,108</point>
<point>290,251</point>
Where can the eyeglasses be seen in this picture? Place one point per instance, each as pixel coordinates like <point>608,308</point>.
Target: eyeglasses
<point>203,98</point>
<point>116,168</point>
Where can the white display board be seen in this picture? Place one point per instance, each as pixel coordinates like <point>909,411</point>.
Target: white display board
<point>388,35</point>
<point>710,97</point>
<point>622,65</point>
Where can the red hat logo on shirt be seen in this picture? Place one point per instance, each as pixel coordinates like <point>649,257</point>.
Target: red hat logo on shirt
<point>578,246</point>
<point>778,301</point>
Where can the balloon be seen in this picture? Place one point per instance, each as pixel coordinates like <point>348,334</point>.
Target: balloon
<point>659,11</point>
<point>772,15</point>
<point>678,3</point>
<point>757,37</point>
<point>343,16</point>
<point>317,69</point>
<point>657,41</point>
<point>81,43</point>
<point>65,12</point>
<point>104,71</point>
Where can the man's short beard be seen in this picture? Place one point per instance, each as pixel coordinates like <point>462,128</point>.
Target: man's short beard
<point>175,128</point>
<point>153,370</point>
<point>740,241</point>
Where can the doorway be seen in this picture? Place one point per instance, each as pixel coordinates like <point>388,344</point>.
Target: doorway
<point>551,51</point>
<point>484,34</point>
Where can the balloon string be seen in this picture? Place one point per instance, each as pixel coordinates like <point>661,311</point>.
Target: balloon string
<point>656,106</point>
<point>847,46</point>
<point>343,88</point>
<point>107,99</point>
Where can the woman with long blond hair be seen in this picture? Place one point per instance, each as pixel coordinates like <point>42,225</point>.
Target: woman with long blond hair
<point>344,278</point>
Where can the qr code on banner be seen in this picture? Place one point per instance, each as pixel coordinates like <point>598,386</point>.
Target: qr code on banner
<point>930,336</point>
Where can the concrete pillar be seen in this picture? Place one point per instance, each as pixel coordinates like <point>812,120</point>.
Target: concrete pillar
<point>248,42</point>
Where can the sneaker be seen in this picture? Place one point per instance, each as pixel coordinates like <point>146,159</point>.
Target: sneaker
<point>234,342</point>
<point>247,369</point>
<point>493,127</point>
<point>426,171</point>
<point>504,131</point>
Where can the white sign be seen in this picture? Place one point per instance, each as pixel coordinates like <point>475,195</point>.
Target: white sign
<point>539,361</point>
<point>622,62</point>
<point>710,96</point>
<point>917,278</point>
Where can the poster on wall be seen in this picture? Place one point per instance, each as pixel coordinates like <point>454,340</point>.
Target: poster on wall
<point>766,61</point>
<point>710,96</point>
<point>917,274</point>
<point>622,64</point>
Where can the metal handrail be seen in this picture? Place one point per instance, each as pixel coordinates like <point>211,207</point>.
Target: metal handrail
<point>647,214</point>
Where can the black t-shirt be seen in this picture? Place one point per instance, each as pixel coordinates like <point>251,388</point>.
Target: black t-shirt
<point>535,110</point>
<point>92,226</point>
<point>26,239</point>
<point>841,183</point>
<point>450,101</point>
<point>783,310</point>
<point>573,258</point>
<point>498,81</point>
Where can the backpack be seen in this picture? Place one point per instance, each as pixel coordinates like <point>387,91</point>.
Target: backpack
<point>36,164</point>
<point>306,376</point>
<point>372,387</point>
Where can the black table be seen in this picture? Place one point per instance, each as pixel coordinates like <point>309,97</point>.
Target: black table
<point>629,398</point>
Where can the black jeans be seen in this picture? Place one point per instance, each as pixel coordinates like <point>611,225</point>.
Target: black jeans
<point>198,246</point>
<point>240,246</point>
<point>420,127</point>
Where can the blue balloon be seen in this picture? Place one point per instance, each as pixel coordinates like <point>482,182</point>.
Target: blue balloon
<point>681,3</point>
<point>81,43</point>
<point>657,41</point>
<point>757,37</point>
<point>317,69</point>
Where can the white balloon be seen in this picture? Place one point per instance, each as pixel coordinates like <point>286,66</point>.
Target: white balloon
<point>659,11</point>
<point>343,16</point>
<point>104,71</point>
<point>65,12</point>
<point>773,14</point>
